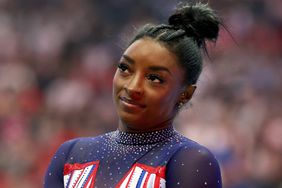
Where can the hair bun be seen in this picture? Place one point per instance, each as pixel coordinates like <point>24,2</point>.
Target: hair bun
<point>198,21</point>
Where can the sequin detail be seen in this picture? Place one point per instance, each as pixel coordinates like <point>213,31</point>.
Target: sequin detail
<point>144,138</point>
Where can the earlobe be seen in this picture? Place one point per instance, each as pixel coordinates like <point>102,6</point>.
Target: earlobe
<point>190,91</point>
<point>187,94</point>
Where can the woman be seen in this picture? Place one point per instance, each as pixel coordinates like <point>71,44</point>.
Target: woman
<point>155,77</point>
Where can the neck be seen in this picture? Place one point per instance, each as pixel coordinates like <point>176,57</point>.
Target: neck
<point>125,127</point>
<point>144,138</point>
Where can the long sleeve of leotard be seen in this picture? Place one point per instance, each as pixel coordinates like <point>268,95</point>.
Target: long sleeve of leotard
<point>193,167</point>
<point>54,174</point>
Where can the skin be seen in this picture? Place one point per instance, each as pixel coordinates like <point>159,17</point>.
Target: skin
<point>147,87</point>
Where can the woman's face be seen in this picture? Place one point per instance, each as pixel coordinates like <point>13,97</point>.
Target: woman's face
<point>146,86</point>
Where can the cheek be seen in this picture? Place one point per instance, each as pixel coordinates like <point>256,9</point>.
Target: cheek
<point>116,84</point>
<point>116,81</point>
<point>164,100</point>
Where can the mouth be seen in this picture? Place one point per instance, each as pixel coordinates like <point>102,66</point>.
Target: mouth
<point>132,103</point>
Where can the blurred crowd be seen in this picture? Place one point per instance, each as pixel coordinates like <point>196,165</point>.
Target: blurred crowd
<point>58,57</point>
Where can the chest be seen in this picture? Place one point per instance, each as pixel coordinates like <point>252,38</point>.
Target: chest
<point>96,174</point>
<point>112,169</point>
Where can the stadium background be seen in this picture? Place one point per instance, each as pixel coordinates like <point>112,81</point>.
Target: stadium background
<point>57,59</point>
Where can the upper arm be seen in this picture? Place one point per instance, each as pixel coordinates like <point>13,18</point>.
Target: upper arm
<point>54,174</point>
<point>193,167</point>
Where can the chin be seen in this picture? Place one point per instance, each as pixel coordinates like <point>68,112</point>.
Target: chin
<point>131,119</point>
<point>138,124</point>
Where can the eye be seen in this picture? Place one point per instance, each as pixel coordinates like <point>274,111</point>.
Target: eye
<point>123,67</point>
<point>155,78</point>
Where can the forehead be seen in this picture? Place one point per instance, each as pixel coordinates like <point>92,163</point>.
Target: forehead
<point>148,52</point>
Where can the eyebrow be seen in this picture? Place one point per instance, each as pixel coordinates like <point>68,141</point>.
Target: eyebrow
<point>152,68</point>
<point>158,68</point>
<point>128,59</point>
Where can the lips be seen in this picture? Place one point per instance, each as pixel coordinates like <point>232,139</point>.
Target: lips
<point>131,102</point>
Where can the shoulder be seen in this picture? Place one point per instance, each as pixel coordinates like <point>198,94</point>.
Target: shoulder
<point>83,142</point>
<point>190,148</point>
<point>65,153</point>
<point>193,165</point>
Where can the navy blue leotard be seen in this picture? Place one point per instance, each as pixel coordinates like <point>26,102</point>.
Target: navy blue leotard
<point>160,159</point>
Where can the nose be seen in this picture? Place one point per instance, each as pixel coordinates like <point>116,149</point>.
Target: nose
<point>134,87</point>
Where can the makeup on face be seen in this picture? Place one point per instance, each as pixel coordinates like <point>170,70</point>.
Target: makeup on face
<point>147,84</point>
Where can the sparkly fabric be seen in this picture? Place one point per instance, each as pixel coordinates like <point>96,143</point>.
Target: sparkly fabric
<point>143,138</point>
<point>186,163</point>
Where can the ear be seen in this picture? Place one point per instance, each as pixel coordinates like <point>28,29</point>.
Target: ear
<point>187,94</point>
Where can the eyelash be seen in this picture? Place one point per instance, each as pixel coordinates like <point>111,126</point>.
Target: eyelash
<point>152,77</point>
<point>124,67</point>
